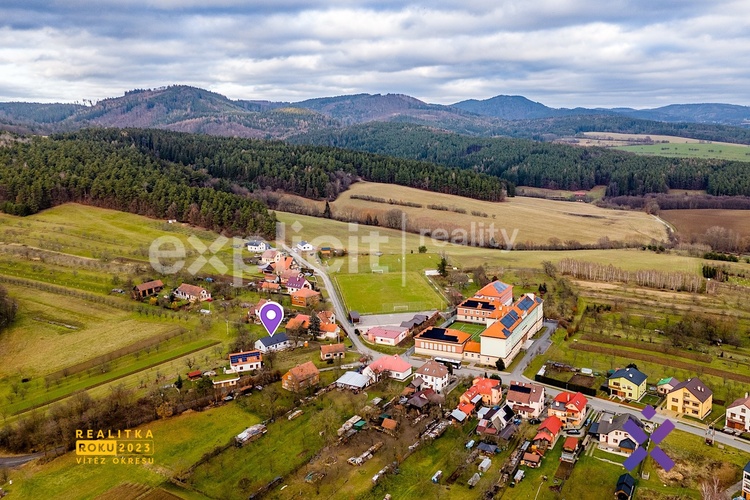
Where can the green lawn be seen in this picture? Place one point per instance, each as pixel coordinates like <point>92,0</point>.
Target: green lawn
<point>388,292</point>
<point>178,443</point>
<point>474,329</point>
<point>592,478</point>
<point>736,152</point>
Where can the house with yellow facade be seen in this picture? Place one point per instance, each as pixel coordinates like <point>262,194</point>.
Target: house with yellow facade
<point>627,383</point>
<point>691,397</point>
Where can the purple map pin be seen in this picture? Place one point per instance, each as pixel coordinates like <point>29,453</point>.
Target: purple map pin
<point>271,314</point>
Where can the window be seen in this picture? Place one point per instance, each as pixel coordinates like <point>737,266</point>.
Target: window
<point>674,400</point>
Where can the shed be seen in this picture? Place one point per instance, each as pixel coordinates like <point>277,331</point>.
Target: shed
<point>360,425</point>
<point>474,480</point>
<point>437,476</point>
<point>354,317</point>
<point>389,424</point>
<point>485,465</point>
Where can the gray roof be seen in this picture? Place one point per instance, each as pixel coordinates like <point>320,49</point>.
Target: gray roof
<point>273,340</point>
<point>696,388</point>
<point>617,424</point>
<point>353,379</point>
<point>634,375</point>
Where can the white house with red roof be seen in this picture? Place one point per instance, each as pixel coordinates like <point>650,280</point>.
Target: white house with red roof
<point>487,390</point>
<point>388,366</point>
<point>192,293</point>
<point>526,399</point>
<point>548,432</point>
<point>387,335</point>
<point>569,408</point>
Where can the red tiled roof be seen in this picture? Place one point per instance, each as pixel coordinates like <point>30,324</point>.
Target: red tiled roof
<point>149,285</point>
<point>305,292</point>
<point>332,348</point>
<point>304,371</point>
<point>299,321</point>
<point>571,443</point>
<point>467,408</point>
<point>552,424</point>
<point>472,346</point>
<point>195,373</point>
<point>389,363</point>
<point>192,290</point>
<point>577,400</point>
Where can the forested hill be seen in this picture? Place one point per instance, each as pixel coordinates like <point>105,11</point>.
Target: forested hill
<point>45,172</point>
<point>548,165</point>
<point>311,171</point>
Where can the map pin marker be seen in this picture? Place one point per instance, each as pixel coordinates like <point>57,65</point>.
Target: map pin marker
<point>271,314</point>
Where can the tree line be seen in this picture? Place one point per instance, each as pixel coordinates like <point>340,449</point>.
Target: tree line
<point>46,172</point>
<point>8,309</point>
<point>317,172</point>
<point>522,162</point>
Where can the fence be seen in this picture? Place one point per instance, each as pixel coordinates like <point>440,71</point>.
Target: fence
<point>588,391</point>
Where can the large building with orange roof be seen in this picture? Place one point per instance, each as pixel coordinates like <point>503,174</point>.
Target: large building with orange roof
<point>503,339</point>
<point>441,342</point>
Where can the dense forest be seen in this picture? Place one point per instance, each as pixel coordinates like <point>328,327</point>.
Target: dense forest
<point>311,171</point>
<point>44,172</point>
<point>547,165</point>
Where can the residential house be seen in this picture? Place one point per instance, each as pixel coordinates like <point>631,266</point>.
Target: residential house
<point>497,291</point>
<point>503,339</point>
<point>492,421</point>
<point>300,322</point>
<point>441,342</point>
<point>287,274</point>
<point>738,414</point>
<point>285,264</point>
<point>192,293</point>
<point>526,399</point>
<point>388,366</point>
<point>270,287</point>
<point>691,397</point>
<point>746,482</point>
<point>665,385</point>
<point>425,397</point>
<point>570,450</point>
<point>277,342</point>
<point>332,351</point>
<point>531,460</point>
<point>386,335</point>
<point>627,383</point>
<point>328,326</point>
<point>569,408</point>
<point>489,390</point>
<point>547,434</point>
<point>257,246</point>
<point>225,381</point>
<point>245,361</point>
<point>613,436</point>
<point>271,256</point>
<point>304,246</point>
<point>254,312</point>
<point>625,487</point>
<point>305,297</point>
<point>434,375</point>
<point>147,289</point>
<point>301,377</point>
<point>297,283</point>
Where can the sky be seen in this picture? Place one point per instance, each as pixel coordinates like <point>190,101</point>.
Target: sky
<point>563,53</point>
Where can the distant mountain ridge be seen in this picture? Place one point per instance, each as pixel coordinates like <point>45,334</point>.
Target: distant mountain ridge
<point>190,109</point>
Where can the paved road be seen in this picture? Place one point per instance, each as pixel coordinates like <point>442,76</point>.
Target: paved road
<point>14,461</point>
<point>540,346</point>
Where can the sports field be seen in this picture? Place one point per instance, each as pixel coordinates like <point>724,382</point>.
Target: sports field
<point>472,328</point>
<point>388,292</point>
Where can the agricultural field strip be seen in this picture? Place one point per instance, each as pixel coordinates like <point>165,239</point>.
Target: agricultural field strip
<point>68,389</point>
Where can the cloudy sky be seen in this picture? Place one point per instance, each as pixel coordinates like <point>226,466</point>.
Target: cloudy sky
<point>563,53</point>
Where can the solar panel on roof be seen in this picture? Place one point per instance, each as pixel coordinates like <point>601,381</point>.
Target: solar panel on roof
<point>508,321</point>
<point>521,389</point>
<point>526,303</point>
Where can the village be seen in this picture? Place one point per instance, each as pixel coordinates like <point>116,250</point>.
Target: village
<point>515,425</point>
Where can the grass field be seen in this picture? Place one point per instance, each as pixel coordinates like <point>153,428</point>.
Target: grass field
<point>178,443</point>
<point>595,193</point>
<point>386,293</point>
<point>338,233</point>
<point>472,328</point>
<point>620,139</point>
<point>735,152</point>
<point>583,222</point>
<point>696,222</point>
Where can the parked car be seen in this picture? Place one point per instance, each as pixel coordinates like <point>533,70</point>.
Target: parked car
<point>534,421</point>
<point>574,432</point>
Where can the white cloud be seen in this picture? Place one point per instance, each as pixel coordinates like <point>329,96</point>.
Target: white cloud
<point>563,53</point>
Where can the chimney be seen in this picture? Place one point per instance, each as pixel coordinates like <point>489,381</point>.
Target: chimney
<point>610,420</point>
<point>745,395</point>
